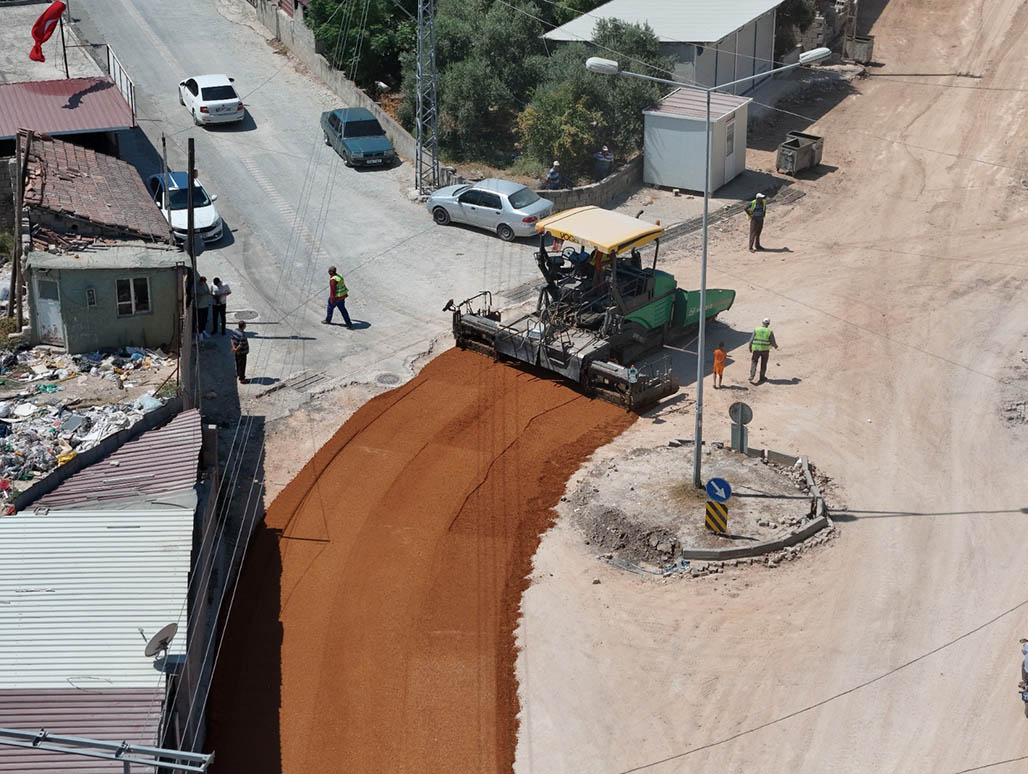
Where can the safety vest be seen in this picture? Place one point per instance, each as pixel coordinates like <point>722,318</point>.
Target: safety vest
<point>600,260</point>
<point>340,286</point>
<point>761,339</point>
<point>756,208</point>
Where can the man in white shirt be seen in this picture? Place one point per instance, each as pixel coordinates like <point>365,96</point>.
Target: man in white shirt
<point>220,292</point>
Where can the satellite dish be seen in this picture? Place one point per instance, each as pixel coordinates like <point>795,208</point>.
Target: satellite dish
<point>161,640</point>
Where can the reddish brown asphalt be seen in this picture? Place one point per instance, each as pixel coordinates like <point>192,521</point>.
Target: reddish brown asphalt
<point>373,627</point>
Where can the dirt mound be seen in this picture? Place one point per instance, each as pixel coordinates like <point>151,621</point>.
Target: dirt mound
<point>385,584</point>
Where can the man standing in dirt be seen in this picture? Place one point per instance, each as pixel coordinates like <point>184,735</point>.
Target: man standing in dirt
<point>756,208</point>
<point>240,349</point>
<point>761,342</point>
<point>337,294</point>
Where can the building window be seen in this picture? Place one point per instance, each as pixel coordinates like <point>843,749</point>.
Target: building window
<point>133,296</point>
<point>90,297</point>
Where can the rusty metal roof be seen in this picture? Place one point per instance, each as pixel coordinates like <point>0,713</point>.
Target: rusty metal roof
<point>159,461</point>
<point>110,714</point>
<point>692,104</point>
<point>70,180</point>
<point>70,106</point>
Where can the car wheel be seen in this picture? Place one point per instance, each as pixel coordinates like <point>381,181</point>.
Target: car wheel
<point>180,100</point>
<point>441,216</point>
<point>327,141</point>
<point>505,232</point>
<point>196,118</point>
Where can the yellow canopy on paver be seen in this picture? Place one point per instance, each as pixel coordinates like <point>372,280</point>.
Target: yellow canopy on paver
<point>608,232</point>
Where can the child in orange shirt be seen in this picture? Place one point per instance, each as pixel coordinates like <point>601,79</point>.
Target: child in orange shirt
<point>719,366</point>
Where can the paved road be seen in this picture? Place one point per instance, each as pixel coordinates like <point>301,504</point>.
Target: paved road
<point>292,206</point>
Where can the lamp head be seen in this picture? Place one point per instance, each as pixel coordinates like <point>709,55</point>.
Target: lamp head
<point>602,66</point>
<point>815,55</point>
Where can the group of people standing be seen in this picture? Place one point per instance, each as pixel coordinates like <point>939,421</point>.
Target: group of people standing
<point>208,298</point>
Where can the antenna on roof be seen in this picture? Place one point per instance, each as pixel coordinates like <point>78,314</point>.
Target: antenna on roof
<point>160,641</point>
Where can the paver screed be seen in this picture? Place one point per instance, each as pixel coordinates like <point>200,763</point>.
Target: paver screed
<point>373,626</point>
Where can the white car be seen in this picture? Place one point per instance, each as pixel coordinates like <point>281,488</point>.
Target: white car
<point>206,220</point>
<point>211,99</point>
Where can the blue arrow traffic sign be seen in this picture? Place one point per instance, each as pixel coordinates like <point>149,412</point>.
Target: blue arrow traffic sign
<point>719,490</point>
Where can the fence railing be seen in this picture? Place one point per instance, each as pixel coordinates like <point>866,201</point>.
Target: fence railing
<point>122,81</point>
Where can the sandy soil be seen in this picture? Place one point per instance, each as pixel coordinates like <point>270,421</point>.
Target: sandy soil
<point>373,629</point>
<point>897,296</point>
<point>643,508</point>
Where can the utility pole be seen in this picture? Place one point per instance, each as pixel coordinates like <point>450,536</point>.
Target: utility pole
<point>64,48</point>
<point>426,121</point>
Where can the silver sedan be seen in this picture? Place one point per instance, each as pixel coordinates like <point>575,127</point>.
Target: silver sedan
<point>508,209</point>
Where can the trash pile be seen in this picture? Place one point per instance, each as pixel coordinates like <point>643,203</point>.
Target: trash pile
<point>35,439</point>
<point>40,430</point>
<point>34,365</point>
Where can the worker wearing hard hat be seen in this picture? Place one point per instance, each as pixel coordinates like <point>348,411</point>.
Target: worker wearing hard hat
<point>756,208</point>
<point>761,341</point>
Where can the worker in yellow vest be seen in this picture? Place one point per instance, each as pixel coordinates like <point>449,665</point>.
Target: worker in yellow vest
<point>337,294</point>
<point>761,341</point>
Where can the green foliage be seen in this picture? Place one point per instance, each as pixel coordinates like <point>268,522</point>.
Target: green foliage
<point>363,38</point>
<point>6,246</point>
<point>574,112</point>
<point>792,14</point>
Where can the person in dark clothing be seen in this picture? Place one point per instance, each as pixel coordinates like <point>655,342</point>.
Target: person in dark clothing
<point>240,349</point>
<point>203,305</point>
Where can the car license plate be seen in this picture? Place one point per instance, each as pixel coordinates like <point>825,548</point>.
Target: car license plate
<point>374,161</point>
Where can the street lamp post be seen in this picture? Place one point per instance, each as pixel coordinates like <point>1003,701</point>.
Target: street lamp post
<point>610,67</point>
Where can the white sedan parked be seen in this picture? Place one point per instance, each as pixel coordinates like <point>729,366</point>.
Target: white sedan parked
<point>211,99</point>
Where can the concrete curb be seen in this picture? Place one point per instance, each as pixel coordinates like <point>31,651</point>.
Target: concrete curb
<point>817,504</point>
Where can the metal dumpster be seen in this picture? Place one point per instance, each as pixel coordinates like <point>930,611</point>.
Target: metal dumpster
<point>799,151</point>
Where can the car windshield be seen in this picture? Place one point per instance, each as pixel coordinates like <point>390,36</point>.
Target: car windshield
<point>369,128</point>
<point>177,199</point>
<point>216,93</point>
<point>521,199</point>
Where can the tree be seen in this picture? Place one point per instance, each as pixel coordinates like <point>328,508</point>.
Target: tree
<point>792,15</point>
<point>575,112</point>
<point>362,37</point>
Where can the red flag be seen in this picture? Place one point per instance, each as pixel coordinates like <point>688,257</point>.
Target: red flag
<point>44,28</point>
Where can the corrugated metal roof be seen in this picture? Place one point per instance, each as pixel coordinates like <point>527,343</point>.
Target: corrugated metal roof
<point>692,103</point>
<point>674,21</point>
<point>68,179</point>
<point>159,461</point>
<point>70,106</point>
<point>115,715</point>
<point>77,586</point>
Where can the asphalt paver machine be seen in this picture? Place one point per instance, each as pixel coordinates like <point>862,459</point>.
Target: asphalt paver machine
<point>601,317</point>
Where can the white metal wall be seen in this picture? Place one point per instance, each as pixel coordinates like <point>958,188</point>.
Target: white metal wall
<point>674,154</point>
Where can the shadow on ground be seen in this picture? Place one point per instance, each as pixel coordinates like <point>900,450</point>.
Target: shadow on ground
<point>242,713</point>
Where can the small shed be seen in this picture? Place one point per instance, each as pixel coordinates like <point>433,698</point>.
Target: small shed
<point>106,297</point>
<point>675,139</point>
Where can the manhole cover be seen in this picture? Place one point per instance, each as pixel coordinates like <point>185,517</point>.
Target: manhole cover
<point>245,314</point>
<point>387,379</point>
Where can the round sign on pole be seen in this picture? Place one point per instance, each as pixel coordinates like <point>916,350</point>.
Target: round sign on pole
<point>741,413</point>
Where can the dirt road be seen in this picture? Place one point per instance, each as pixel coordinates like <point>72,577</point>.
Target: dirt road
<point>374,624</point>
<point>900,308</point>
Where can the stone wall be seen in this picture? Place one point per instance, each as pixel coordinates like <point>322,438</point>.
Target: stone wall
<point>299,40</point>
<point>618,183</point>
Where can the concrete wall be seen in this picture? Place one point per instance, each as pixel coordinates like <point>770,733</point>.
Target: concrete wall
<point>299,39</point>
<point>88,328</point>
<point>604,192</point>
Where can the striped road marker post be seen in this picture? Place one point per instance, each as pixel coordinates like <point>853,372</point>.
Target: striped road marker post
<point>717,517</point>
